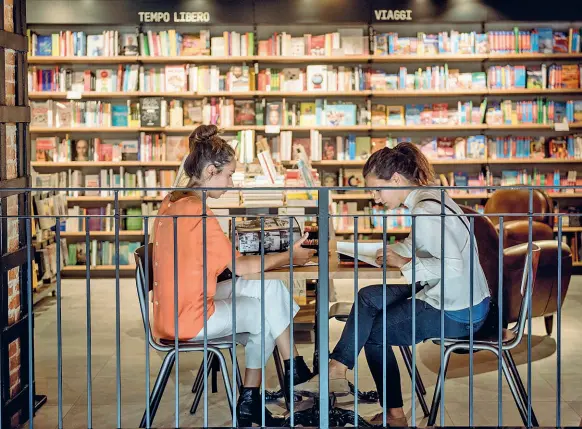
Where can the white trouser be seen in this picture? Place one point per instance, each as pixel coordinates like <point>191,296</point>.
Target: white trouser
<point>248,315</point>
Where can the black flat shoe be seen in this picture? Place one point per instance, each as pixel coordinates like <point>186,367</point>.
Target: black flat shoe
<point>248,410</point>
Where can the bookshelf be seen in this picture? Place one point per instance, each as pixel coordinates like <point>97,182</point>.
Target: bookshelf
<point>471,96</point>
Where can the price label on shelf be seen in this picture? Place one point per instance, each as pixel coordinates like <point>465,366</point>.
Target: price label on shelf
<point>74,95</point>
<point>562,126</point>
<point>272,129</point>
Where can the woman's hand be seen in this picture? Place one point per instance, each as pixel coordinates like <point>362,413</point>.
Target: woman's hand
<point>301,256</point>
<point>393,259</point>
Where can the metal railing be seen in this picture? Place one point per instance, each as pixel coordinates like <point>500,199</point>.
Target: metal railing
<point>326,406</point>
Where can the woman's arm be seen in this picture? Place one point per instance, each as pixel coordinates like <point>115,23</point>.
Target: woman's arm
<point>252,263</point>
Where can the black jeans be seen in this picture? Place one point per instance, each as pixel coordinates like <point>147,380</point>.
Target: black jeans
<point>398,333</point>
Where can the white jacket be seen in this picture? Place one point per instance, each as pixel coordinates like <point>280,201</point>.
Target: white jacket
<point>428,253</point>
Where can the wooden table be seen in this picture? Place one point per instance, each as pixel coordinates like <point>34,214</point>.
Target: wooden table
<point>336,271</point>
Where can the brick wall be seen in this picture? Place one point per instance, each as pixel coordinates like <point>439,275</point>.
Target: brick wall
<point>12,208</point>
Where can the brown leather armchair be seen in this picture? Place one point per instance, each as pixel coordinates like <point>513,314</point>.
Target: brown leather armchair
<point>545,291</point>
<point>516,228</point>
<point>515,232</point>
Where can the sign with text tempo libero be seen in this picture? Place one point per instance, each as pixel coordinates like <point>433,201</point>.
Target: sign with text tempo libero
<point>174,17</point>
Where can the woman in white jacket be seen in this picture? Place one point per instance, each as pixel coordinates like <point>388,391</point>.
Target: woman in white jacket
<point>406,166</point>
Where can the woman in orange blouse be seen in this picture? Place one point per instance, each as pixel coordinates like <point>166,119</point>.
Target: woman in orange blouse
<point>211,164</point>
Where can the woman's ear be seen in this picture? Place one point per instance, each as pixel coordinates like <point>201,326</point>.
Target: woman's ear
<point>211,170</point>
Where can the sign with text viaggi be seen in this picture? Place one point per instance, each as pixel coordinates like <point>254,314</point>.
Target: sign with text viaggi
<point>393,15</point>
<point>174,17</point>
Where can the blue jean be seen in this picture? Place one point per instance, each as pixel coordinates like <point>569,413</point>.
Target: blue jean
<point>398,333</point>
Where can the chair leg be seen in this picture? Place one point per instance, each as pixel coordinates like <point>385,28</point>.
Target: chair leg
<point>549,322</point>
<point>159,387</point>
<point>281,375</point>
<point>436,399</point>
<point>508,358</point>
<point>200,387</point>
<point>214,372</point>
<point>239,380</point>
<point>221,362</point>
<point>418,385</point>
<point>408,352</point>
<point>198,378</point>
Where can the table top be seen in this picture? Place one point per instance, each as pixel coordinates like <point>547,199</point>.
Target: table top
<point>336,271</point>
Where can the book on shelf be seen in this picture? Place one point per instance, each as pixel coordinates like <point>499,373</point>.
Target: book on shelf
<point>101,253</point>
<point>79,43</point>
<point>349,41</point>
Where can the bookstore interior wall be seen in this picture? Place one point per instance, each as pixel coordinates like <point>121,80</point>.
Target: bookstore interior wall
<point>490,91</point>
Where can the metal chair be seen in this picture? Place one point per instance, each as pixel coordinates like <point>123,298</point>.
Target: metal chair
<point>340,311</point>
<point>489,341</point>
<point>214,346</point>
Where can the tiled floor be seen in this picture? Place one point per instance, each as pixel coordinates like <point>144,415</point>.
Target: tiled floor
<point>133,369</point>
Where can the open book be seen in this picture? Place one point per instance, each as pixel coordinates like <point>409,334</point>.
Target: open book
<point>366,251</point>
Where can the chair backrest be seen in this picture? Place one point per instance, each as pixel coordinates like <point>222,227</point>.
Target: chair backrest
<point>144,284</point>
<point>488,246</point>
<point>517,201</point>
<point>526,289</point>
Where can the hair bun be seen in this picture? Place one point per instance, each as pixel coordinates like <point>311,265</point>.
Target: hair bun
<point>203,133</point>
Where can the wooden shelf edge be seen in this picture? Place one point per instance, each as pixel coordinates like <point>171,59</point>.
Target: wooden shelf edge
<point>96,268</point>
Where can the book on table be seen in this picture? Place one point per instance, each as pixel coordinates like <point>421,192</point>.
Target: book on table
<point>366,252</point>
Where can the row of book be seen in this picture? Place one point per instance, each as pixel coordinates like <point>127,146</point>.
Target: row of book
<point>349,177</point>
<point>102,253</point>
<point>102,218</point>
<point>348,41</point>
<point>510,178</point>
<point>82,184</point>
<point>207,78</point>
<point>317,147</point>
<point>78,43</point>
<point>226,112</point>
<point>538,111</point>
<point>512,147</point>
<point>539,40</point>
<point>540,77</point>
<point>369,218</point>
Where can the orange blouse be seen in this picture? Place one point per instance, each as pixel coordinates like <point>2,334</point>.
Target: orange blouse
<point>189,260</point>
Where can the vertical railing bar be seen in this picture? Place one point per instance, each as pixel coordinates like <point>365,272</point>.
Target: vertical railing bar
<point>413,278</point>
<point>292,328</point>
<point>442,287</point>
<point>559,326</point>
<point>356,384</point>
<point>88,289</point>
<point>147,319</point>
<point>28,225</point>
<point>59,332</point>
<point>384,322</point>
<point>234,365</point>
<point>471,337</point>
<point>262,249</point>
<point>529,304</point>
<point>500,328</point>
<point>205,305</point>
<point>323,308</point>
<point>176,325</point>
<point>117,312</point>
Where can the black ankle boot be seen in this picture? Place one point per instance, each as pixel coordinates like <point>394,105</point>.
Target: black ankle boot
<point>248,410</point>
<point>301,373</point>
